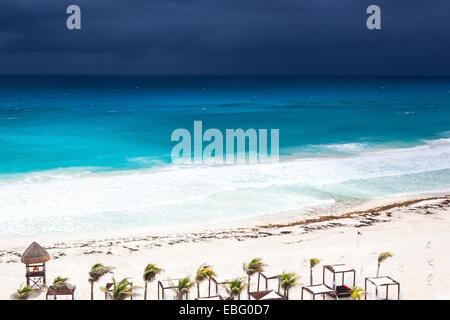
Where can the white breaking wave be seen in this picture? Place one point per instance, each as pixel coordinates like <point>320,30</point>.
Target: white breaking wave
<point>82,200</point>
<point>348,147</point>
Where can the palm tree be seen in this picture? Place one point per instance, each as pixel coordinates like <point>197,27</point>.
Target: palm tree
<point>235,286</point>
<point>288,281</point>
<point>182,288</point>
<point>312,263</point>
<point>98,270</point>
<point>23,293</point>
<point>254,266</point>
<point>59,282</point>
<point>150,273</point>
<point>204,272</point>
<point>121,290</point>
<point>381,257</point>
<point>357,293</point>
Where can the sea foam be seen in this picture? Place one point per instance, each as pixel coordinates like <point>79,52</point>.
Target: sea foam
<point>83,199</point>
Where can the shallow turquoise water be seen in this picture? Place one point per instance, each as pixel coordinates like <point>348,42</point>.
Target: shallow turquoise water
<point>93,153</point>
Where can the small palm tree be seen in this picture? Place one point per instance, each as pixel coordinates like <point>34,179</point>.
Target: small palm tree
<point>23,293</point>
<point>121,290</point>
<point>98,270</point>
<point>59,282</point>
<point>183,287</point>
<point>254,266</point>
<point>357,293</point>
<point>312,263</point>
<point>204,272</point>
<point>288,281</point>
<point>381,257</point>
<point>150,273</point>
<point>234,287</point>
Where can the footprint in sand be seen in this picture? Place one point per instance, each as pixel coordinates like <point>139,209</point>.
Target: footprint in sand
<point>430,278</point>
<point>431,262</point>
<point>341,258</point>
<point>429,245</point>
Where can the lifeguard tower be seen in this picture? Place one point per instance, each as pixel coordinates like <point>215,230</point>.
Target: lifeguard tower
<point>35,258</point>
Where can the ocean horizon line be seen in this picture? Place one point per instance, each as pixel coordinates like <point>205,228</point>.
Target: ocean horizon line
<point>324,76</point>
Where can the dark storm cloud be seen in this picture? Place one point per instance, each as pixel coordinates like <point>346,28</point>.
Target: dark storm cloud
<point>322,37</point>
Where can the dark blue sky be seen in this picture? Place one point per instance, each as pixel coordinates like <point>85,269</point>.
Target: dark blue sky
<point>226,37</point>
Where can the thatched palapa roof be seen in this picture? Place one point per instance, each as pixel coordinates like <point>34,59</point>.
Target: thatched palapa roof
<point>35,254</point>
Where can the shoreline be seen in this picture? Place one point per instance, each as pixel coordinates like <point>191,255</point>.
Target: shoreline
<point>291,218</point>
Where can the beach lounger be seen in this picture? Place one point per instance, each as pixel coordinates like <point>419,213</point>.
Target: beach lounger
<point>380,282</point>
<point>266,295</point>
<point>319,289</point>
<point>338,279</point>
<point>164,285</point>
<point>55,291</point>
<point>263,281</point>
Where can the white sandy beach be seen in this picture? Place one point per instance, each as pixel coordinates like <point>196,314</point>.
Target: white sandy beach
<point>415,230</point>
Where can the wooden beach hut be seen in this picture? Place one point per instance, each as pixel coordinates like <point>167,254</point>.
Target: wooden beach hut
<point>34,259</point>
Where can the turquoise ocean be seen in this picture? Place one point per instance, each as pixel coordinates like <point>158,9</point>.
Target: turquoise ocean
<point>82,154</point>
